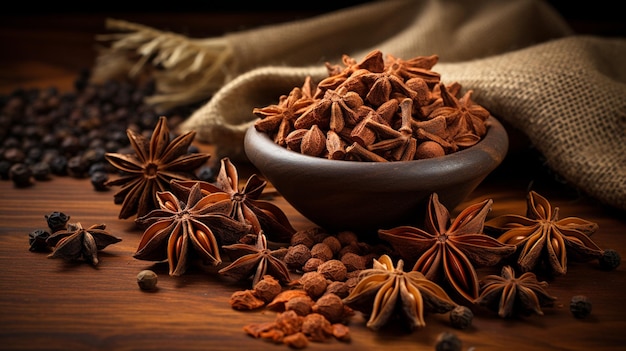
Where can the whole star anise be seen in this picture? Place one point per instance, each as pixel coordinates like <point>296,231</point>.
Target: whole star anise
<point>278,120</point>
<point>542,238</point>
<point>447,252</point>
<point>77,243</point>
<point>243,204</point>
<point>509,295</point>
<point>179,230</point>
<point>152,166</point>
<point>256,261</point>
<point>385,291</point>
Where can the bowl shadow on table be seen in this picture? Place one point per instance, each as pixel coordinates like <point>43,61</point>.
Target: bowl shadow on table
<point>362,197</point>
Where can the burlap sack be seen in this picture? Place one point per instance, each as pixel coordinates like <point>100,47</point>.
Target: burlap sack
<point>566,93</point>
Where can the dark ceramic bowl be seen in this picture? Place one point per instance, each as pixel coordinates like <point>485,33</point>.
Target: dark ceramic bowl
<point>366,196</point>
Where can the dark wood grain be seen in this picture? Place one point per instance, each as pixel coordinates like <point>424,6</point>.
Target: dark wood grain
<point>50,304</point>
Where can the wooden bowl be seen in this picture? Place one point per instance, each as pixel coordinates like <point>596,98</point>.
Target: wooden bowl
<point>363,197</point>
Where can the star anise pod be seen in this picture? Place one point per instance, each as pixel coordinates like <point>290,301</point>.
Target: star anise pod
<point>244,204</point>
<point>256,261</point>
<point>277,120</point>
<point>152,166</point>
<point>337,74</point>
<point>542,238</point>
<point>335,110</point>
<point>77,243</point>
<point>447,252</point>
<point>179,230</point>
<point>416,67</point>
<point>510,295</point>
<point>385,291</point>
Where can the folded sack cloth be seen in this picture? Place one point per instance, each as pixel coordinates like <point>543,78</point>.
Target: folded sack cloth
<point>567,93</point>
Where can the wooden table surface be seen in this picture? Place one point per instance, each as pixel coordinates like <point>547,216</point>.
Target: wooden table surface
<point>49,304</point>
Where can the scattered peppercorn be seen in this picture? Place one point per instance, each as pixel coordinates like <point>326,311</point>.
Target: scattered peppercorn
<point>37,240</point>
<point>610,259</point>
<point>461,317</point>
<point>57,220</point>
<point>147,280</point>
<point>448,341</point>
<point>21,175</point>
<point>580,306</point>
<point>98,181</point>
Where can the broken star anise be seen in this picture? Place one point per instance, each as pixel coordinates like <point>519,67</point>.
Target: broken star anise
<point>152,166</point>
<point>542,238</point>
<point>385,291</point>
<point>446,252</point>
<point>256,261</point>
<point>77,243</point>
<point>509,295</point>
<point>179,230</point>
<point>243,204</point>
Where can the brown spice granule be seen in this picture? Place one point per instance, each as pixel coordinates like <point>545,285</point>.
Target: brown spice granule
<point>322,251</point>
<point>302,237</point>
<point>333,270</point>
<point>330,306</point>
<point>302,305</point>
<point>354,248</point>
<point>312,264</point>
<point>333,243</point>
<point>255,329</point>
<point>340,289</point>
<point>275,335</point>
<point>267,288</point>
<point>278,304</point>
<point>341,332</point>
<point>289,322</point>
<point>316,327</point>
<point>353,262</point>
<point>245,300</point>
<point>347,237</point>
<point>313,283</point>
<point>296,341</point>
<point>296,256</point>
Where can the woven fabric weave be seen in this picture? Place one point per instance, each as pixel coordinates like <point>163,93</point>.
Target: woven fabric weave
<point>566,92</point>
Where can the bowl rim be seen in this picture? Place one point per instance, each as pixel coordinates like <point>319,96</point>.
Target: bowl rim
<point>492,149</point>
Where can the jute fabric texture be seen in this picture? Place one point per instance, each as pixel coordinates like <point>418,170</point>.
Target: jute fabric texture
<point>565,92</point>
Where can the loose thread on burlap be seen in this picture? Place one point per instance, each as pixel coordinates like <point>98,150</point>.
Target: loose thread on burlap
<point>200,65</point>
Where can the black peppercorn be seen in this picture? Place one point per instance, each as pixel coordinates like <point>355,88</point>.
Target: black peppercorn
<point>98,180</point>
<point>37,240</point>
<point>461,317</point>
<point>610,259</point>
<point>57,221</point>
<point>21,175</point>
<point>41,171</point>
<point>447,341</point>
<point>580,306</point>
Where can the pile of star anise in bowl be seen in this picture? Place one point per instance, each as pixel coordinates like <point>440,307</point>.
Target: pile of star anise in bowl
<point>364,148</point>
